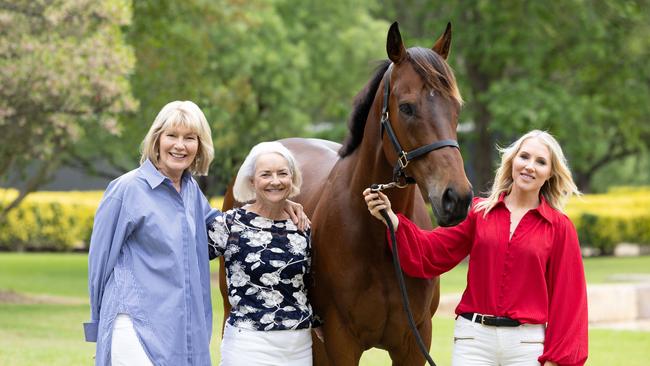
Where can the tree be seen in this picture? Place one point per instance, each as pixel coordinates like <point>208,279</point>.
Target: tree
<point>64,70</point>
<point>603,64</point>
<point>343,43</point>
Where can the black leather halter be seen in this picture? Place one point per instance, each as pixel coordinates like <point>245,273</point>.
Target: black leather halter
<point>403,157</point>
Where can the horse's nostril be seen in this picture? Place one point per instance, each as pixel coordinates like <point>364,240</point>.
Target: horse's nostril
<point>450,200</point>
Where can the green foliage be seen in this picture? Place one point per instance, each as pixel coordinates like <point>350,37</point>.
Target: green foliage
<point>633,170</point>
<point>604,220</point>
<point>46,221</point>
<point>64,70</point>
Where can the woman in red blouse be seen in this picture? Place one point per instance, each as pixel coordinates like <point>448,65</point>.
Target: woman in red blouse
<point>525,302</point>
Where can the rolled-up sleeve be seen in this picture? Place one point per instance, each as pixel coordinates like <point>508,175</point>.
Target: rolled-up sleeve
<point>567,329</point>
<point>426,254</point>
<point>112,225</point>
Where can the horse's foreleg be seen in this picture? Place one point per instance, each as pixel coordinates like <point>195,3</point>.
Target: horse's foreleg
<point>342,347</point>
<point>410,354</point>
<point>319,352</point>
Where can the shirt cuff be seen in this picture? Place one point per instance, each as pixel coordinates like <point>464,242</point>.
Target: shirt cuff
<point>90,331</point>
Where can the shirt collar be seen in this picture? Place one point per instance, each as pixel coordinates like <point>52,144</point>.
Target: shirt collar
<point>154,177</point>
<point>544,209</point>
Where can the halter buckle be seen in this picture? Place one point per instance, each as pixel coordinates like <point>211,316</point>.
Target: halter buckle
<point>403,160</point>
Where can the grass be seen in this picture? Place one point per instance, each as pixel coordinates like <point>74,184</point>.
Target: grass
<point>50,274</point>
<point>601,269</point>
<point>43,334</point>
<point>51,333</point>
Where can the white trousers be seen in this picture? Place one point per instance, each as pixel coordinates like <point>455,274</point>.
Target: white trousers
<point>256,348</point>
<point>126,349</point>
<point>483,345</point>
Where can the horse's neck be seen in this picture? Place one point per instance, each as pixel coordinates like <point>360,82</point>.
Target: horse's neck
<point>368,165</point>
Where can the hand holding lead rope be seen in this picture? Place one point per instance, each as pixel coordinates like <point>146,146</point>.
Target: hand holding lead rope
<point>379,204</point>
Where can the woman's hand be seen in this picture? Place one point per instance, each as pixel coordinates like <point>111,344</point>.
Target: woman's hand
<point>550,363</point>
<point>297,215</point>
<point>377,201</point>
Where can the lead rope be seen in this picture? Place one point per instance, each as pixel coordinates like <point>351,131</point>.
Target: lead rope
<point>400,275</point>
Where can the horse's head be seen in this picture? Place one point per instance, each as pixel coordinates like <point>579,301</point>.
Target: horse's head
<point>423,105</point>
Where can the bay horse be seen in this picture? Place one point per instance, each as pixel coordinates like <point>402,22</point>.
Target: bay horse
<point>354,288</point>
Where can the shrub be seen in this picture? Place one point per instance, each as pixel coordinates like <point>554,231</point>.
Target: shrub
<point>620,215</point>
<point>56,221</point>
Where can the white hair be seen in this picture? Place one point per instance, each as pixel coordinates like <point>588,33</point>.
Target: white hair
<point>243,190</point>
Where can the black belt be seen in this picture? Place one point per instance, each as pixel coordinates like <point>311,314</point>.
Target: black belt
<point>496,321</point>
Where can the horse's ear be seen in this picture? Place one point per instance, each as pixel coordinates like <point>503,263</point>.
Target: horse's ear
<point>443,44</point>
<point>394,45</point>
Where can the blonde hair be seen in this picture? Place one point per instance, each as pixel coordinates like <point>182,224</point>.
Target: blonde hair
<point>556,190</point>
<point>180,114</point>
<point>243,190</point>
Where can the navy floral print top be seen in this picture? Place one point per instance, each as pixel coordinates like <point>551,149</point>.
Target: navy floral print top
<point>267,262</point>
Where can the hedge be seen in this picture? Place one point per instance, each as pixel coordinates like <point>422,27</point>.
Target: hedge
<point>62,221</point>
<point>620,215</point>
<point>55,221</point>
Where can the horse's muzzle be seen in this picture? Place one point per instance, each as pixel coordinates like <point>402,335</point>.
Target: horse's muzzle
<point>453,207</point>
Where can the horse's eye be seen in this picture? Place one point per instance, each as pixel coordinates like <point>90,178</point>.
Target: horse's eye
<point>407,109</point>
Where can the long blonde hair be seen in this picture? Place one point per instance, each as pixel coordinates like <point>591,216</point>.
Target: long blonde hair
<point>556,190</point>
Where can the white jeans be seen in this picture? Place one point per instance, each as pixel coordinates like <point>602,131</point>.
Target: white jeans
<point>255,347</point>
<point>483,345</point>
<point>126,349</point>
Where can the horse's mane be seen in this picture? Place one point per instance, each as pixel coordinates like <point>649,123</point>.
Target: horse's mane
<point>361,108</point>
<point>428,64</point>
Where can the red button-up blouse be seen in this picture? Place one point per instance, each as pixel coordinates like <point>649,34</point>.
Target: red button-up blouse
<point>535,277</point>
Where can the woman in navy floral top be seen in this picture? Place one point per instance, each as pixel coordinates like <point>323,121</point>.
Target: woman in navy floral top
<point>267,260</point>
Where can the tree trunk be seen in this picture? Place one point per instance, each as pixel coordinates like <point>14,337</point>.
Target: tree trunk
<point>583,181</point>
<point>482,159</point>
<point>484,149</point>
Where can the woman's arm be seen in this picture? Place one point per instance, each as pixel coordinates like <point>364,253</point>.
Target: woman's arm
<point>424,253</point>
<point>111,227</point>
<point>566,330</point>
<point>297,214</point>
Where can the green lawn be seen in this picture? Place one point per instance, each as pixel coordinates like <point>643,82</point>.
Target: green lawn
<point>51,334</point>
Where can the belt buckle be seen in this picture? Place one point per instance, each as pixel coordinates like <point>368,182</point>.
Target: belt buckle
<point>487,317</point>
